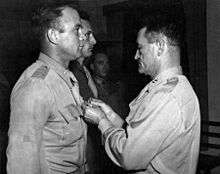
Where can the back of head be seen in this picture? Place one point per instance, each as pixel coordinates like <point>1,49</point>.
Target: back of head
<point>47,16</point>
<point>165,25</point>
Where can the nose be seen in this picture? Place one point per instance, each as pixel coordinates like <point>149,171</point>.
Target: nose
<point>93,40</point>
<point>137,55</point>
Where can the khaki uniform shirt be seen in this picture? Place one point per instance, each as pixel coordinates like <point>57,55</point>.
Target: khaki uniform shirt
<point>163,131</point>
<point>46,134</point>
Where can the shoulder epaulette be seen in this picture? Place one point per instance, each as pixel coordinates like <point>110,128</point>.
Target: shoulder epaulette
<point>41,72</point>
<point>168,86</point>
<point>172,81</point>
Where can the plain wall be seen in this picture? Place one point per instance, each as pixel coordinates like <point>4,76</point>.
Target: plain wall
<point>213,64</point>
<point>213,58</point>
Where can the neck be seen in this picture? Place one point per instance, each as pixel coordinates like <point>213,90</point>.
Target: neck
<point>165,68</point>
<point>59,59</point>
<point>80,60</point>
<point>169,61</point>
<point>177,70</point>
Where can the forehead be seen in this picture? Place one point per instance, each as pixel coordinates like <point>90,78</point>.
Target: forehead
<point>86,25</point>
<point>101,57</point>
<point>70,16</point>
<point>141,39</point>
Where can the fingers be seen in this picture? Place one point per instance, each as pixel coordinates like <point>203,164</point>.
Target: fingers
<point>76,110</point>
<point>93,114</point>
<point>96,103</point>
<point>95,100</point>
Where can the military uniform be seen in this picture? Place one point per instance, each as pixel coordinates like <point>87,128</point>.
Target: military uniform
<point>163,131</point>
<point>46,134</point>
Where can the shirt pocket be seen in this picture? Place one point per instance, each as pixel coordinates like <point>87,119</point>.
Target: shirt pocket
<point>73,128</point>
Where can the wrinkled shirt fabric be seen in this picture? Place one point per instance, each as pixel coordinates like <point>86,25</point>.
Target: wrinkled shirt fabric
<point>46,134</point>
<point>163,128</point>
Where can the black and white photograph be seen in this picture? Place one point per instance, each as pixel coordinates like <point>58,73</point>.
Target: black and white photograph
<point>109,87</point>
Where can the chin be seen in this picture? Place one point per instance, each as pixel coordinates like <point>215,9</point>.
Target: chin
<point>76,55</point>
<point>141,70</point>
<point>87,54</point>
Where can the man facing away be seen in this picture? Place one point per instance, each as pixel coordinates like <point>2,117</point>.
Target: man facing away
<point>163,127</point>
<point>47,134</point>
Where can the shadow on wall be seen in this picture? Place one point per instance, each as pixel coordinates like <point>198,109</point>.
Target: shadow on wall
<point>4,117</point>
<point>18,49</point>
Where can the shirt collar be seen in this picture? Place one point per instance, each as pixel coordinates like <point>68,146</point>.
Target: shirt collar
<point>56,66</point>
<point>163,76</point>
<point>78,66</point>
<point>177,70</point>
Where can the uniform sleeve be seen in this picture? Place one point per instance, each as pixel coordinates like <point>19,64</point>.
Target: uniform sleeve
<point>154,128</point>
<point>30,108</point>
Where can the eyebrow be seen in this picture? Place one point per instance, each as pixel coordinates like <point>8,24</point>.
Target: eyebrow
<point>89,32</point>
<point>78,26</point>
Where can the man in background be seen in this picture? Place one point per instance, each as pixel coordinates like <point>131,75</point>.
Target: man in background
<point>86,84</point>
<point>112,93</point>
<point>87,90</point>
<point>110,90</point>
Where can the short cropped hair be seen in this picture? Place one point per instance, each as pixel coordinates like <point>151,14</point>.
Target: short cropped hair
<point>166,25</point>
<point>48,16</point>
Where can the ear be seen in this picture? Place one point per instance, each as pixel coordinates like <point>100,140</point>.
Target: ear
<point>161,45</point>
<point>53,35</point>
